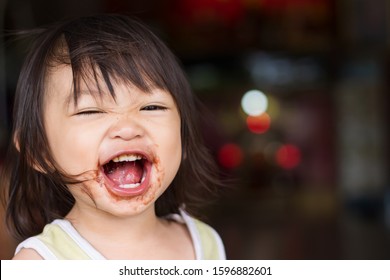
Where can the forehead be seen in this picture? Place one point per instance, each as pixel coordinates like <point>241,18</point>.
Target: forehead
<point>58,82</point>
<point>60,86</point>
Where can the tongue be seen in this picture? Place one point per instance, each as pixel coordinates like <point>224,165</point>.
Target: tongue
<point>124,173</point>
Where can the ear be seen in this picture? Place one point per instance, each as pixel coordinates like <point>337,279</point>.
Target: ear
<point>183,152</point>
<point>15,140</point>
<point>31,162</point>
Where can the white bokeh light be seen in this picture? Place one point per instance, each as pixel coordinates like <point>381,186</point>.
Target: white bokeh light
<point>254,103</point>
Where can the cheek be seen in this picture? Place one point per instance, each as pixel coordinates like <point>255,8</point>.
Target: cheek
<point>167,139</point>
<point>172,156</point>
<point>72,150</point>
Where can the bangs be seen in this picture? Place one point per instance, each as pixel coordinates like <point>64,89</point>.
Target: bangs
<point>101,51</point>
<point>113,51</point>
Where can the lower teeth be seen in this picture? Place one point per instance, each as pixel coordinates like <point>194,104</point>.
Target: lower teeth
<point>132,186</point>
<point>129,186</point>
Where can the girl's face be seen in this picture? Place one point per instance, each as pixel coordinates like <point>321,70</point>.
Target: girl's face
<point>127,150</point>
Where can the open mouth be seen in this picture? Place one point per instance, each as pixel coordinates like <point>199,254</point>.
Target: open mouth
<point>127,174</point>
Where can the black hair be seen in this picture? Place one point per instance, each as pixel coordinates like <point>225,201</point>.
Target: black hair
<point>118,47</point>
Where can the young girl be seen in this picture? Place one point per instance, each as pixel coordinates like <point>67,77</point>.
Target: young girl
<point>106,160</point>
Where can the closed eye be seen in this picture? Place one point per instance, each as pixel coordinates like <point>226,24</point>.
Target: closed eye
<point>88,112</point>
<point>154,108</point>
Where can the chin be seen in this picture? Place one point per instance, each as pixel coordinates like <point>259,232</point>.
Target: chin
<point>107,199</point>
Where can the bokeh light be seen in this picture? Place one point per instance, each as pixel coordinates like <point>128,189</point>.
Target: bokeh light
<point>288,156</point>
<point>230,156</point>
<point>273,109</point>
<point>254,103</point>
<point>259,124</point>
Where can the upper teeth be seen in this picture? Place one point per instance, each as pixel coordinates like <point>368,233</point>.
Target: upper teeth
<point>127,158</point>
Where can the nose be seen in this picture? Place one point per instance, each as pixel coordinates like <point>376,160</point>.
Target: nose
<point>126,128</point>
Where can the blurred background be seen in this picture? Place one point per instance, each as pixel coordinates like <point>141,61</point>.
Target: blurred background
<point>297,92</point>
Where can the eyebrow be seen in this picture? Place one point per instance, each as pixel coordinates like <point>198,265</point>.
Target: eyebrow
<point>100,94</point>
<point>69,99</point>
<point>95,90</point>
<point>73,97</point>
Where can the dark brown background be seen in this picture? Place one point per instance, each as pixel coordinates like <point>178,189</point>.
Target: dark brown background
<point>325,66</point>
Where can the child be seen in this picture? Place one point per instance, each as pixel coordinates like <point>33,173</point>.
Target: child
<point>106,161</point>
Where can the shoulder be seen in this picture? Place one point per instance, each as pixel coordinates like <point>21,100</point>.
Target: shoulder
<point>27,254</point>
<point>34,247</point>
<point>207,241</point>
<point>46,244</point>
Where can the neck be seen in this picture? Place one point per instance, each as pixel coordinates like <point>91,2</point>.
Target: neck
<point>97,225</point>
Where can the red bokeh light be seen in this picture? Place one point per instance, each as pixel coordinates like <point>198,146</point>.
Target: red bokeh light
<point>259,124</point>
<point>288,156</point>
<point>227,12</point>
<point>230,156</point>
